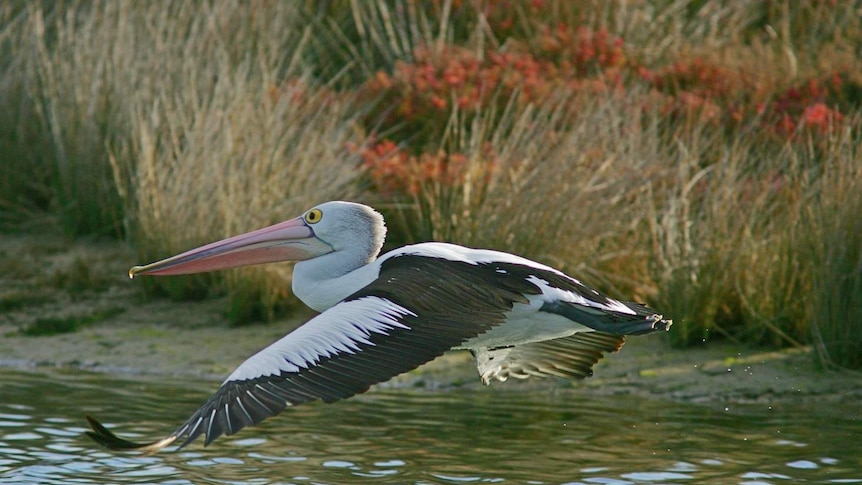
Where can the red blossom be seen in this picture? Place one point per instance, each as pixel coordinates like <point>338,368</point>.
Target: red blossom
<point>820,117</point>
<point>438,102</point>
<point>805,107</point>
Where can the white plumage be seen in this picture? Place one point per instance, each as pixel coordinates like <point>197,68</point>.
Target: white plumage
<point>345,328</point>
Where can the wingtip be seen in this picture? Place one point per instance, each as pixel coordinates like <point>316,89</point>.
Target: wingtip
<point>103,436</point>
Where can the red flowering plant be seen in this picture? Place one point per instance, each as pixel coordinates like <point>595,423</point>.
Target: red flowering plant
<point>418,99</point>
<point>729,97</point>
<point>395,172</point>
<point>699,89</point>
<point>809,107</point>
<point>580,52</point>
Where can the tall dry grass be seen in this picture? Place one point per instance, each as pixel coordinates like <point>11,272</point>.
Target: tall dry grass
<point>53,131</point>
<point>561,187</point>
<point>362,38</point>
<point>832,244</point>
<point>239,163</point>
<point>721,228</point>
<point>241,138</point>
<point>176,123</point>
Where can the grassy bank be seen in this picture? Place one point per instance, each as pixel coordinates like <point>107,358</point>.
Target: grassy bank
<point>701,156</point>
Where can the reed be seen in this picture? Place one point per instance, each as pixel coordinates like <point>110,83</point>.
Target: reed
<point>832,247</point>
<point>240,139</point>
<point>174,124</point>
<point>55,130</point>
<point>545,181</point>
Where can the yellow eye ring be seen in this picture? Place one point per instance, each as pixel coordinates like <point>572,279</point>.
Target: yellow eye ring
<point>313,216</point>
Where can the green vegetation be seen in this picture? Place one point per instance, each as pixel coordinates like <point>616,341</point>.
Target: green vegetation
<point>699,155</point>
<point>835,227</point>
<point>18,299</point>
<point>78,277</point>
<point>42,327</point>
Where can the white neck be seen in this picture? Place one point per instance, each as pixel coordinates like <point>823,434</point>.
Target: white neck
<point>324,281</point>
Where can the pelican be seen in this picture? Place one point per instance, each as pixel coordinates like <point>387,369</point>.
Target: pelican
<point>382,316</point>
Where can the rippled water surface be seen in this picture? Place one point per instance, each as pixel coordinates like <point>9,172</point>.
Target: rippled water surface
<point>496,435</point>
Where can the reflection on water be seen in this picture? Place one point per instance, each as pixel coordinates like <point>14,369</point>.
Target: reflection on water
<point>496,435</point>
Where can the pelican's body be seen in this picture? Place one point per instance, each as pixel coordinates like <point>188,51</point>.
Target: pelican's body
<point>525,323</point>
<point>381,316</point>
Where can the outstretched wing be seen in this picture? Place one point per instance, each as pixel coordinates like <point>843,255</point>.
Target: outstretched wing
<point>413,312</point>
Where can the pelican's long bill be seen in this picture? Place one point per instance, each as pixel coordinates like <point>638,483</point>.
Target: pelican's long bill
<point>292,240</point>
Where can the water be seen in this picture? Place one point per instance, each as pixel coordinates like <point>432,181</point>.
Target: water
<point>502,434</point>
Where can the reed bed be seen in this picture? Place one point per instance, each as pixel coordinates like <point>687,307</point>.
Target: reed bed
<point>176,124</point>
<point>699,156</point>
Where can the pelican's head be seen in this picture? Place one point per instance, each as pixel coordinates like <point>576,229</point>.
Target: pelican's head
<point>333,226</point>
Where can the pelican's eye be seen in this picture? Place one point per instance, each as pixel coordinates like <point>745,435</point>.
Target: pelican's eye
<point>313,216</point>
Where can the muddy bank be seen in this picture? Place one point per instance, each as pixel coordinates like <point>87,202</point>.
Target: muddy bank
<point>120,330</point>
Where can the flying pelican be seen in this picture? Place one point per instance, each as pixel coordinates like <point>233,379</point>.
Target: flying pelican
<point>382,316</point>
